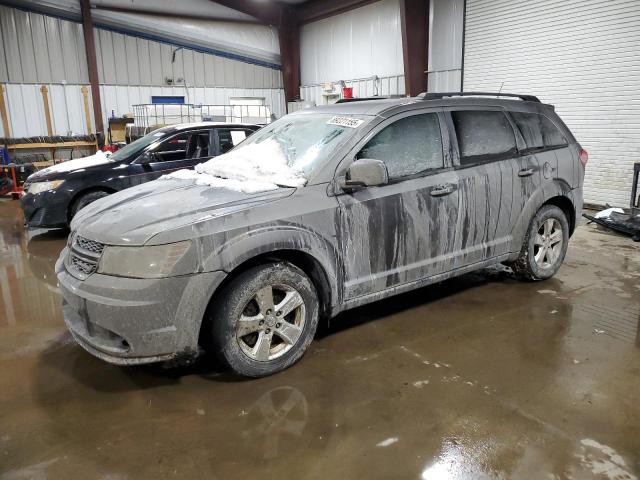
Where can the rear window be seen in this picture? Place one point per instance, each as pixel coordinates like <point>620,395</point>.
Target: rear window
<point>483,135</point>
<point>538,131</point>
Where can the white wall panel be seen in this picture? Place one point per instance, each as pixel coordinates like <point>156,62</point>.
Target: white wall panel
<point>360,43</point>
<point>446,19</point>
<point>25,46</point>
<point>581,56</point>
<point>10,41</point>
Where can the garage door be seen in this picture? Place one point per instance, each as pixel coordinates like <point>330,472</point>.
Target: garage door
<point>580,55</point>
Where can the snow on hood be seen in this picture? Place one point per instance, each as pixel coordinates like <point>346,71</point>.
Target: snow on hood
<point>256,167</point>
<point>98,158</point>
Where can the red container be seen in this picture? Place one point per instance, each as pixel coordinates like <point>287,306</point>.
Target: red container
<point>347,92</point>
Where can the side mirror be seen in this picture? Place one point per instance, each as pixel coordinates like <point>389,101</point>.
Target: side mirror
<point>365,172</point>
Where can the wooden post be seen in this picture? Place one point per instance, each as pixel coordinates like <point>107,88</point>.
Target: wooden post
<point>87,113</point>
<point>3,113</point>
<point>47,111</point>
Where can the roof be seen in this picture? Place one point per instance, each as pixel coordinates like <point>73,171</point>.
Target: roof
<point>185,126</point>
<point>378,107</point>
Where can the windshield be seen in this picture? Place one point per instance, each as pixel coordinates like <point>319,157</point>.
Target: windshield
<point>305,140</point>
<point>136,148</point>
<point>282,154</point>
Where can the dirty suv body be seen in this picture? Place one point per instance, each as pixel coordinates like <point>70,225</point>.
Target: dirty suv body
<point>323,210</point>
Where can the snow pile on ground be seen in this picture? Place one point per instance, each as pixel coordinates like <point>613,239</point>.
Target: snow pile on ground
<point>99,158</point>
<point>607,213</point>
<point>256,167</point>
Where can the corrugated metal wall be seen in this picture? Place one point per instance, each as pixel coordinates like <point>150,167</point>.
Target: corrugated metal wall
<point>126,60</point>
<point>37,49</point>
<point>446,18</point>
<point>354,45</point>
<point>581,56</point>
<point>25,107</point>
<point>40,49</point>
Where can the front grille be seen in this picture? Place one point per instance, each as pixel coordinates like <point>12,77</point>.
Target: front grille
<point>84,256</point>
<point>86,268</point>
<point>89,245</point>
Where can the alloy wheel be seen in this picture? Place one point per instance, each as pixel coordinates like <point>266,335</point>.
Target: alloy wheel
<point>271,323</point>
<point>547,244</point>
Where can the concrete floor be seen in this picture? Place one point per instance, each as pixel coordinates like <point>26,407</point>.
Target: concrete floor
<point>481,376</point>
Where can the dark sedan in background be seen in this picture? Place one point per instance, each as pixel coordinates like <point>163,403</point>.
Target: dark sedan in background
<point>54,195</point>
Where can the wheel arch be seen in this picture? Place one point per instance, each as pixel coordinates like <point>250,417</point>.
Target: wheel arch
<point>557,193</point>
<point>83,192</point>
<point>321,277</point>
<point>566,205</point>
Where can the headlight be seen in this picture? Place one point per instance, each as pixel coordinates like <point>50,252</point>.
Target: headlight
<point>155,261</point>
<point>39,187</point>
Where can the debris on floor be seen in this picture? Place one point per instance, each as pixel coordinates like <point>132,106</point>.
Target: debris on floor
<point>623,221</point>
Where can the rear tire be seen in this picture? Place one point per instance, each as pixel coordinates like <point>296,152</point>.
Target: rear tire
<point>84,200</point>
<point>544,246</point>
<point>264,319</point>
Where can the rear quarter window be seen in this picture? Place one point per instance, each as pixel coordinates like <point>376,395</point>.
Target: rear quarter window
<point>538,131</point>
<point>483,135</point>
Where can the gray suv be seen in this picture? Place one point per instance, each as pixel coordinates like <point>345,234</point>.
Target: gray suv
<point>321,211</point>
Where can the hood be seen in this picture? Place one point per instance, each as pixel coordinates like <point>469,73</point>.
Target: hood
<point>70,166</point>
<point>135,215</point>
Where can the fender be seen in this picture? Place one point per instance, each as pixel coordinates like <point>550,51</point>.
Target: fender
<point>240,246</point>
<point>547,191</point>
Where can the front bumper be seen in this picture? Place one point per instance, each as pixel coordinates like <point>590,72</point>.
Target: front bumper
<point>46,209</point>
<point>128,321</point>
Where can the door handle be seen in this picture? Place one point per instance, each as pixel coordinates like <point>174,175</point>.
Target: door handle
<point>441,190</point>
<point>525,172</point>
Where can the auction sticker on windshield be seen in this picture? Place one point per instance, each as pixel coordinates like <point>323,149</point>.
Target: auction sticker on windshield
<point>345,122</point>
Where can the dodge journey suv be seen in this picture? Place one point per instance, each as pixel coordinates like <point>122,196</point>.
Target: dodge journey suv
<point>321,211</point>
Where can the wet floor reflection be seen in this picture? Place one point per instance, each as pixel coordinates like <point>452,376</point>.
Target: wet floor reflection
<point>477,377</point>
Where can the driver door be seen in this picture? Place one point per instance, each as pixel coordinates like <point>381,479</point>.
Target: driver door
<point>403,231</point>
<point>183,150</point>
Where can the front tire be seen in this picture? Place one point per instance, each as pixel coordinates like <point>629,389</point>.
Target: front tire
<point>84,200</point>
<point>544,246</point>
<point>264,319</point>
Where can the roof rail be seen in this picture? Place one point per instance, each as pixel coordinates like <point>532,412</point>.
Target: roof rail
<point>440,95</point>
<point>364,99</point>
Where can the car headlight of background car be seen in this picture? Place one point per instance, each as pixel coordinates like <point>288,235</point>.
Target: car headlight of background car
<point>155,261</point>
<point>39,187</point>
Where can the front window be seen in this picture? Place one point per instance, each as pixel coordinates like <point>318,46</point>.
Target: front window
<point>408,146</point>
<point>137,147</point>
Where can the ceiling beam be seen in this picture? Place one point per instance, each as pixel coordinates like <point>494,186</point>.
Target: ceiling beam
<point>414,22</point>
<point>183,15</point>
<point>314,10</point>
<point>92,64</point>
<point>269,12</point>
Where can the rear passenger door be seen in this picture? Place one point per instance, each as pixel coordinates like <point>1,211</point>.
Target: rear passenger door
<point>403,231</point>
<point>486,148</point>
<point>543,139</point>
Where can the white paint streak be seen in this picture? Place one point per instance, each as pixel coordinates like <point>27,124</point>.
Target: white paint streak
<point>387,441</point>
